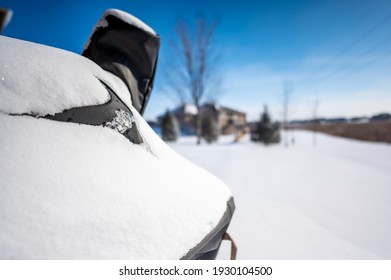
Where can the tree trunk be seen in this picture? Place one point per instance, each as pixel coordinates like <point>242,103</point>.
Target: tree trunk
<point>198,127</point>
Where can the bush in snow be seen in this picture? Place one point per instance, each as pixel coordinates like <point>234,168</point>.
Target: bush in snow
<point>265,131</point>
<point>209,128</point>
<point>170,127</point>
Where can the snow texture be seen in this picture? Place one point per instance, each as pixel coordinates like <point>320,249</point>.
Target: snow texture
<point>72,191</point>
<point>303,202</point>
<point>41,80</point>
<point>123,16</point>
<point>120,88</point>
<point>122,122</point>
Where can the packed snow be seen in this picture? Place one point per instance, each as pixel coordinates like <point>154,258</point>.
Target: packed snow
<point>331,201</point>
<point>42,80</point>
<point>73,191</point>
<point>120,88</point>
<point>77,191</point>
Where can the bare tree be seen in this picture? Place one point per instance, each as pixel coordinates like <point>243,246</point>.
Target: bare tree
<point>192,78</point>
<point>287,94</point>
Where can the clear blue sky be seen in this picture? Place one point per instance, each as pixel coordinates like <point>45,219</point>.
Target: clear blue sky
<point>262,44</point>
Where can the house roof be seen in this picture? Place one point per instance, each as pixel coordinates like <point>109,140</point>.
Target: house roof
<point>230,111</point>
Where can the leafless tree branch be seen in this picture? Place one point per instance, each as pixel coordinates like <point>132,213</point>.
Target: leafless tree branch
<point>193,76</point>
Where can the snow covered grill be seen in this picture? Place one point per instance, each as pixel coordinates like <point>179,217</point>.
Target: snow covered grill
<point>76,189</point>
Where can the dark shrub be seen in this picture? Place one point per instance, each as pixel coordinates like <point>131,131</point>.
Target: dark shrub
<point>209,128</point>
<point>265,131</point>
<point>169,127</point>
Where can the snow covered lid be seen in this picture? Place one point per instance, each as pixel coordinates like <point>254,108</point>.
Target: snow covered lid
<point>74,191</point>
<point>42,80</point>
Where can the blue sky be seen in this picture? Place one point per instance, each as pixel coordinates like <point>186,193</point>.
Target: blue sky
<point>314,44</point>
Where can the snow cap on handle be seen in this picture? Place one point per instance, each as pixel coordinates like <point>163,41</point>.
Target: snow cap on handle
<point>125,46</point>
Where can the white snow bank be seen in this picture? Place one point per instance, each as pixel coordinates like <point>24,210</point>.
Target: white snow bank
<point>41,80</point>
<point>303,202</point>
<point>71,191</point>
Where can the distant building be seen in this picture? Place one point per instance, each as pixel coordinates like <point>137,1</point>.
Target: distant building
<point>186,118</point>
<point>229,121</point>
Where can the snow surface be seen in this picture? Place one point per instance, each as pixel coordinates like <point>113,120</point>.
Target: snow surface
<point>303,202</point>
<point>72,191</point>
<point>120,88</point>
<point>42,80</point>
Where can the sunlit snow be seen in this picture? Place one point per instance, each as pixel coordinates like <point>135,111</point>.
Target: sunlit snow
<point>331,201</point>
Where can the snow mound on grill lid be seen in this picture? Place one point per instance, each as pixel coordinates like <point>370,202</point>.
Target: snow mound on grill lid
<point>41,80</point>
<point>71,191</point>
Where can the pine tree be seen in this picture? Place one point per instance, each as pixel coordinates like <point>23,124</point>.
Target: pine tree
<point>265,131</point>
<point>265,117</point>
<point>170,127</point>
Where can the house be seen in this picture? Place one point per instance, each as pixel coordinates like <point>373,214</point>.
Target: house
<point>186,116</point>
<point>229,121</point>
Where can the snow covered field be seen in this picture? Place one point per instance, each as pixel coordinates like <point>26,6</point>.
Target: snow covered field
<point>332,201</point>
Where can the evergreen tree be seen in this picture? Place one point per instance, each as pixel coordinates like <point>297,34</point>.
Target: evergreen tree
<point>170,127</point>
<point>265,117</point>
<point>209,128</point>
<point>265,131</point>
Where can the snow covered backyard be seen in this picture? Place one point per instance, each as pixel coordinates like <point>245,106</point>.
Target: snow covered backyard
<point>332,201</point>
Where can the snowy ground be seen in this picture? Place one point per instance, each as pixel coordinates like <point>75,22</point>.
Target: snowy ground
<point>332,201</point>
